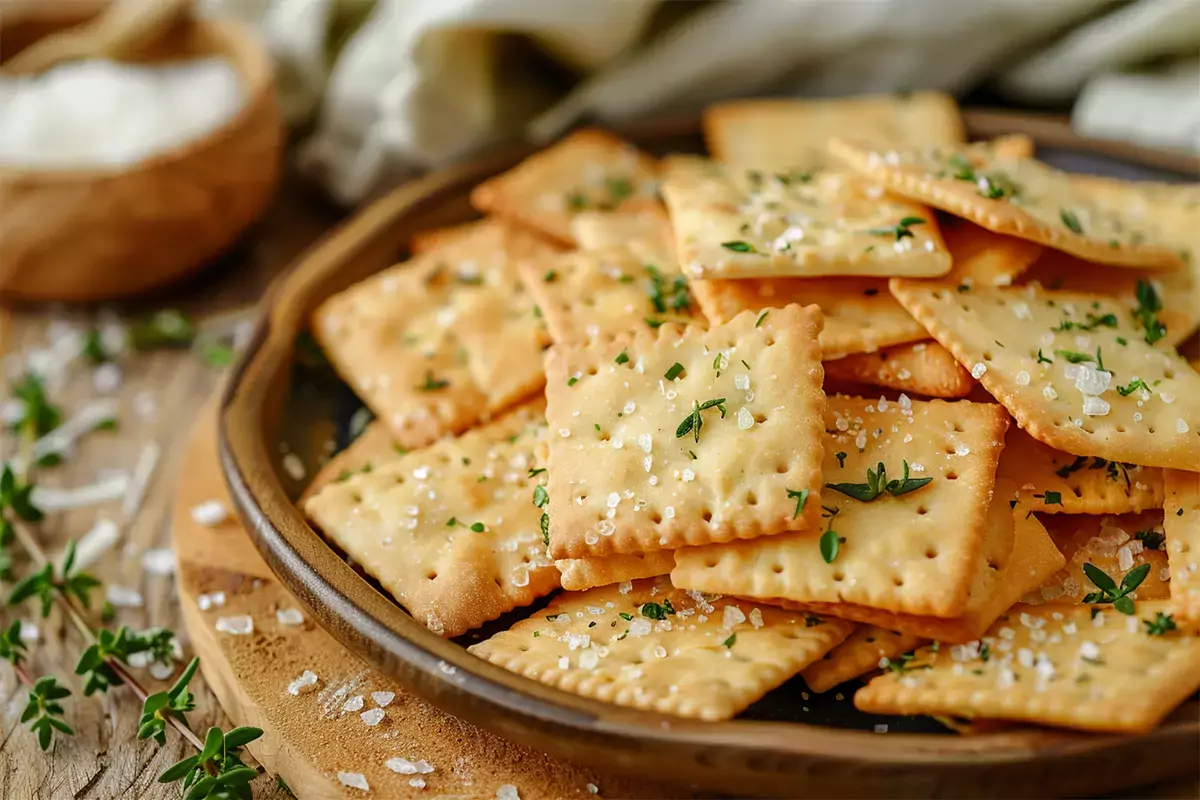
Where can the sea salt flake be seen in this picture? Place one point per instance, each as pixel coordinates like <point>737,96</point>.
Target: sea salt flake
<point>373,716</point>
<point>417,783</point>
<point>382,699</point>
<point>306,683</point>
<point>210,513</point>
<point>978,370</point>
<point>294,466</point>
<point>123,596</point>
<point>355,780</point>
<point>211,600</point>
<point>731,617</point>
<point>1095,407</point>
<point>289,616</point>
<point>1022,378</point>
<point>756,618</point>
<point>355,703</point>
<point>240,625</point>
<point>507,792</point>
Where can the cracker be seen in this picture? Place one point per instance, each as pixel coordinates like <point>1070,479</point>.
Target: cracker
<point>1050,666</point>
<point>1115,545</point>
<point>792,134</point>
<point>924,368</point>
<point>412,524</point>
<point>860,314</point>
<point>914,553</point>
<point>1053,482</point>
<point>708,660</point>
<point>588,170</point>
<point>1031,200</point>
<point>997,334</point>
<point>622,474</point>
<point>863,651</point>
<point>589,293</point>
<point>440,342</point>
<point>587,573</point>
<point>424,241</point>
<point>1177,291</point>
<point>647,228</point>
<point>1181,523</point>
<point>1017,556</point>
<point>986,258</point>
<point>746,224</point>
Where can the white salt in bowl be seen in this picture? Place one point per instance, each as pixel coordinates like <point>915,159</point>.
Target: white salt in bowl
<point>101,232</point>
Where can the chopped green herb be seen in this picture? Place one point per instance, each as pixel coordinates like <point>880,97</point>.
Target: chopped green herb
<point>1050,498</point>
<point>740,247</point>
<point>620,189</point>
<point>165,328</point>
<point>544,524</point>
<point>1109,591</point>
<point>657,611</point>
<point>1074,466</point>
<point>693,422</point>
<point>877,483</point>
<point>900,230</point>
<point>1093,322</point>
<point>93,348</point>
<point>576,201</point>
<point>217,355</point>
<point>985,652</point>
<point>674,296</point>
<point>1160,624</point>
<point>431,384</point>
<point>550,277</point>
<point>1070,220</point>
<point>731,641</point>
<point>623,358</point>
<point>812,621</point>
<point>1151,539</point>
<point>1133,386</point>
<point>1073,357</point>
<point>674,372</point>
<point>572,381</point>
<point>841,457</point>
<point>801,497</point>
<point>830,544</point>
<point>625,616</point>
<point>540,496</point>
<point>761,318</point>
<point>533,473</point>
<point>1146,315</point>
<point>1041,359</point>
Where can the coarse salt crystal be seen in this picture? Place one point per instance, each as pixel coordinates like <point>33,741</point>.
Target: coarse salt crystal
<point>881,728</point>
<point>373,716</point>
<point>1181,426</point>
<point>745,420</point>
<point>1049,393</point>
<point>211,600</point>
<point>106,378</point>
<point>1089,650</point>
<point>688,475</point>
<point>240,625</point>
<point>741,381</point>
<point>1095,407</point>
<point>209,513</point>
<point>756,618</point>
<point>294,466</point>
<point>382,699</point>
<point>355,703</point>
<point>1022,378</point>
<point>625,588</point>
<point>123,596</point>
<point>507,792</point>
<point>1091,381</point>
<point>593,788</point>
<point>731,617</point>
<point>306,683</point>
<point>640,627</point>
<point>1124,558</point>
<point>417,783</point>
<point>289,616</point>
<point>1166,397</point>
<point>978,370</point>
<point>613,500</point>
<point>355,780</point>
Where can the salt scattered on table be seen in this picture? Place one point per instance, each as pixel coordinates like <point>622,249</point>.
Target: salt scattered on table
<point>123,596</point>
<point>373,716</point>
<point>159,561</point>
<point>29,631</point>
<point>95,543</point>
<point>355,780</point>
<point>289,616</point>
<point>209,513</point>
<point>383,698</point>
<point>304,684</point>
<point>161,670</point>
<point>240,625</point>
<point>353,704</point>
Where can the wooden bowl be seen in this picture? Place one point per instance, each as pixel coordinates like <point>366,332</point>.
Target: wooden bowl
<point>84,235</point>
<point>746,756</point>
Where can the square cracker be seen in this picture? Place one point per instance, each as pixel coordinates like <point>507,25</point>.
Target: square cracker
<point>860,314</point>
<point>625,477</point>
<point>589,169</point>
<point>1035,201</point>
<point>1016,557</point>
<point>647,228</point>
<point>708,660</point>
<point>442,341</point>
<point>1181,522</point>
<point>1177,291</point>
<point>732,223</point>
<point>1109,542</point>
<point>1053,482</point>
<point>997,334</point>
<point>1050,666</point>
<point>589,293</point>
<point>986,258</point>
<point>913,554</point>
<point>587,573</point>
<point>864,651</point>
<point>781,134</point>
<point>924,368</point>
<point>409,523</point>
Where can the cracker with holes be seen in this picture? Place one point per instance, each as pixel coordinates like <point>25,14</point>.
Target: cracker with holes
<point>1181,525</point>
<point>867,649</point>
<point>1017,195</point>
<point>586,294</point>
<point>986,258</point>
<point>780,135</point>
<point>924,368</point>
<point>579,574</point>
<point>1128,548</point>
<point>1053,482</point>
<point>893,538</point>
<point>735,224</point>
<point>647,229</point>
<point>653,647</point>
<point>860,314</point>
<point>1078,372</point>
<point>451,531</point>
<point>684,436</point>
<point>588,170</point>
<point>443,341</point>
<point>1052,666</point>
<point>1175,294</point>
<point>1017,555</point>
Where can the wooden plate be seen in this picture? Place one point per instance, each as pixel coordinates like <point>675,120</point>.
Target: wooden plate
<point>265,405</point>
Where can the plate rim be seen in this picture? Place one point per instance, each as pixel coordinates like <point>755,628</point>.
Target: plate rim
<point>736,755</point>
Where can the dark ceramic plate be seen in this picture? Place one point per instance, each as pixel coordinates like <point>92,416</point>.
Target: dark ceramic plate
<point>789,743</point>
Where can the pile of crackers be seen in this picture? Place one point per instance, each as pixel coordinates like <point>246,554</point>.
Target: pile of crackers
<point>850,399</point>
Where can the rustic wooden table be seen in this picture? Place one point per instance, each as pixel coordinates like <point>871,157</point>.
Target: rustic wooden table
<point>160,395</point>
<point>104,760</point>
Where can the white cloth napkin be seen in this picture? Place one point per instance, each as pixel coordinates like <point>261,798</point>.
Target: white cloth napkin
<point>397,86</point>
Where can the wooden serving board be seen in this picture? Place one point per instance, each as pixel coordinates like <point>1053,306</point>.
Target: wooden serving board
<point>308,739</point>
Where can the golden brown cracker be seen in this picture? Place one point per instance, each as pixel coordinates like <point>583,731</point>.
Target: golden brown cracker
<point>983,257</point>
<point>579,574</point>
<point>1039,353</point>
<point>867,649</point>
<point>443,341</point>
<point>1181,524</point>
<point>1019,196</point>
<point>914,553</point>
<point>588,170</point>
<point>653,647</point>
<point>1051,665</point>
<point>643,457</point>
<point>925,368</point>
<point>647,227</point>
<point>784,134</point>
<point>734,224</point>
<point>451,531</point>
